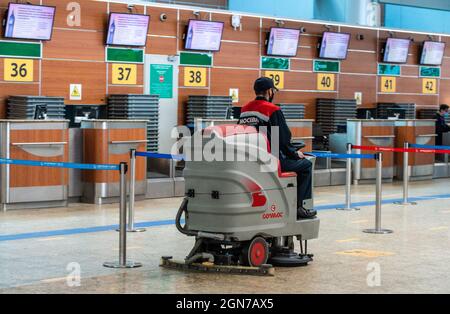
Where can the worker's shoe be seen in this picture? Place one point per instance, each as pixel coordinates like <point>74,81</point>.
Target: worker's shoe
<point>303,213</point>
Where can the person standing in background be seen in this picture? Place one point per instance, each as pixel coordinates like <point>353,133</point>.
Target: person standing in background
<point>441,125</point>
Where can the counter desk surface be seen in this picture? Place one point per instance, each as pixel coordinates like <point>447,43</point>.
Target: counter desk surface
<point>35,140</point>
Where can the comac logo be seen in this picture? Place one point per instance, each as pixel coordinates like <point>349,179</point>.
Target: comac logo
<point>274,214</point>
<point>251,120</point>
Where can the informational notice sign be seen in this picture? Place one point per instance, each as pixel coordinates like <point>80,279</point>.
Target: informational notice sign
<point>161,80</point>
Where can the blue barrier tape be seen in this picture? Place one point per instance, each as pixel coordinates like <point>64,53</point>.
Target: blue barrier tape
<point>57,164</point>
<point>429,147</point>
<point>342,156</point>
<point>159,156</point>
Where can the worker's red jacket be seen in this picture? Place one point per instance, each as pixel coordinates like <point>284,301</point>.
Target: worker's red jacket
<point>261,113</point>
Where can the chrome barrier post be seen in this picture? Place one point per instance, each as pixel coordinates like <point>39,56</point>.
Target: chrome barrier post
<point>131,227</point>
<point>378,229</point>
<point>406,177</point>
<point>123,263</point>
<point>348,183</point>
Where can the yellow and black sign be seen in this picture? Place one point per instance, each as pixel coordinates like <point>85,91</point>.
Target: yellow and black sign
<point>124,74</point>
<point>429,86</point>
<point>277,77</point>
<point>326,81</point>
<point>195,77</point>
<point>18,70</point>
<point>388,84</point>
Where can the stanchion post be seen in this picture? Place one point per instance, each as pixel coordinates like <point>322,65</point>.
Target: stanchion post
<point>406,177</point>
<point>131,208</point>
<point>123,263</point>
<point>348,183</point>
<point>379,193</point>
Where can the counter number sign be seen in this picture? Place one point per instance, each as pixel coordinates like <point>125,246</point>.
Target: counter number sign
<point>388,84</point>
<point>429,86</point>
<point>18,70</point>
<point>124,74</point>
<point>195,77</point>
<point>326,81</point>
<point>277,77</point>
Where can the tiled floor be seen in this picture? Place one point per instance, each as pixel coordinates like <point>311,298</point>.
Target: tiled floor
<point>41,250</point>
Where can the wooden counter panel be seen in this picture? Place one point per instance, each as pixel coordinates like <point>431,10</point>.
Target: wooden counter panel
<point>408,134</point>
<point>96,150</point>
<point>24,176</point>
<point>388,158</point>
<point>129,135</point>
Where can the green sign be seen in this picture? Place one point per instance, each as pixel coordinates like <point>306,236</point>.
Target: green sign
<point>327,66</point>
<point>389,69</point>
<point>124,55</point>
<point>196,59</point>
<point>161,80</point>
<point>20,49</point>
<point>430,72</point>
<point>268,63</point>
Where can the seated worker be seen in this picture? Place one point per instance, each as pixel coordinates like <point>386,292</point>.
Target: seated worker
<point>263,113</point>
<point>441,125</point>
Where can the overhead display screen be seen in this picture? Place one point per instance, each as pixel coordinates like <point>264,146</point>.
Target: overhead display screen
<point>128,29</point>
<point>25,21</point>
<point>283,42</point>
<point>204,35</point>
<point>334,46</point>
<point>432,53</point>
<point>396,50</point>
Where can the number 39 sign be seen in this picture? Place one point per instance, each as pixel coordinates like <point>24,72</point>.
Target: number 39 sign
<point>18,70</point>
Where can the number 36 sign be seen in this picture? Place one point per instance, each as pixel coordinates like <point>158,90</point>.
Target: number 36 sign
<point>18,70</point>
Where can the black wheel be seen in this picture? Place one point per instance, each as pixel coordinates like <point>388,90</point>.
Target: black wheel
<point>256,253</point>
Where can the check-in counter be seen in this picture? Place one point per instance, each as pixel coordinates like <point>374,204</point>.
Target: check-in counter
<point>302,131</point>
<point>416,132</point>
<point>371,133</point>
<point>110,142</point>
<point>35,140</point>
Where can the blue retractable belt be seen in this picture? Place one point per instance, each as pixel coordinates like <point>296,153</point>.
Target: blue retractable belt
<point>57,164</point>
<point>342,156</point>
<point>429,147</point>
<point>160,156</point>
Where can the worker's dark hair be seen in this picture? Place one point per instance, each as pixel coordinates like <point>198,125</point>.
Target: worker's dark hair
<point>444,107</point>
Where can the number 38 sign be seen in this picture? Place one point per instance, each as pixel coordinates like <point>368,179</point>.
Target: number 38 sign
<point>18,70</point>
<point>195,77</point>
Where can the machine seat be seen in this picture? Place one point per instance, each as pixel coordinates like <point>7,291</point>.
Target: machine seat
<point>232,130</point>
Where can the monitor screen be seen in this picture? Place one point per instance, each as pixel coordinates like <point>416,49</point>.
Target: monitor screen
<point>26,21</point>
<point>127,29</point>
<point>432,53</point>
<point>396,50</point>
<point>334,46</point>
<point>283,42</point>
<point>204,35</point>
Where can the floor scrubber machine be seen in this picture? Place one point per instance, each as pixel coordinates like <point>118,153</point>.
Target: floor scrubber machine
<point>239,206</point>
